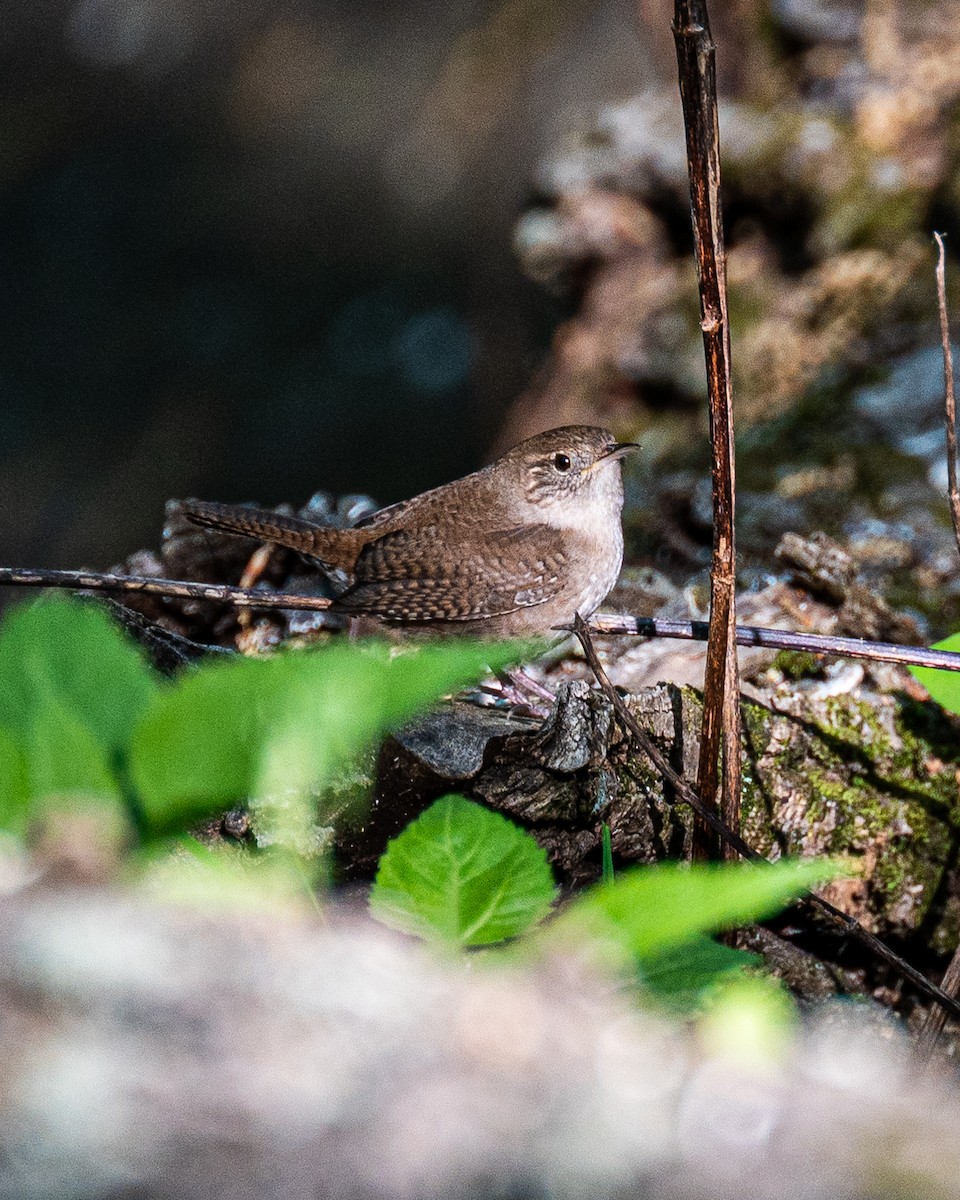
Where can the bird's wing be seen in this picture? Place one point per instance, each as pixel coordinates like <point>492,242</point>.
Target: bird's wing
<point>423,575</point>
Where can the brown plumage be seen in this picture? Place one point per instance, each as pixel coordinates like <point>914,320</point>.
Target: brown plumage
<point>514,549</point>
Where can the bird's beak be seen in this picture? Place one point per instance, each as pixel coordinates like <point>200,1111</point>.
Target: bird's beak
<point>620,449</point>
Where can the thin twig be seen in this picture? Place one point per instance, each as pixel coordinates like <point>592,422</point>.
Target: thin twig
<point>721,706</point>
<point>684,793</point>
<point>604,623</point>
<point>780,639</point>
<point>683,790</point>
<point>949,397</point>
<point>936,1017</point>
<point>218,593</point>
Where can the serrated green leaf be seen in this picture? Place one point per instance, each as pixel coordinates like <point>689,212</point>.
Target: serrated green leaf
<point>264,728</point>
<point>14,785</point>
<point>650,910</point>
<point>464,876</point>
<point>71,651</point>
<point>943,686</point>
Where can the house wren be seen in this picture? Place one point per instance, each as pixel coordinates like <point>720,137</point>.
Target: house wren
<point>513,550</point>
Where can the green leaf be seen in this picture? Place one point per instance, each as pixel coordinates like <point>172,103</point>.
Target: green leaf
<point>14,785</point>
<point>196,746</point>
<point>264,728</point>
<point>650,910</point>
<point>64,757</point>
<point>462,875</point>
<point>943,686</point>
<point>70,653</point>
<point>608,874</point>
<point>682,977</point>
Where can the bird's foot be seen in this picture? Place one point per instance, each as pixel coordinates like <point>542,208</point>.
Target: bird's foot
<point>524,695</point>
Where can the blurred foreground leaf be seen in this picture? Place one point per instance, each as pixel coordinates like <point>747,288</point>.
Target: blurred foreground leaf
<point>649,911</point>
<point>749,1022</point>
<point>83,716</point>
<point>183,870</point>
<point>69,655</point>
<point>682,977</point>
<point>943,686</point>
<point>72,687</point>
<point>462,875</point>
<point>14,785</point>
<point>64,756</point>
<point>266,728</point>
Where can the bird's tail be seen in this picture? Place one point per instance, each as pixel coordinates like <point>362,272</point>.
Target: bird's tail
<point>332,547</point>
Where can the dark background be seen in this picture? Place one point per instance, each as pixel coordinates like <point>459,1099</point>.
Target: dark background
<point>249,250</point>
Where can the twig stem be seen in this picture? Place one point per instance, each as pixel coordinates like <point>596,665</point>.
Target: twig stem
<point>604,623</point>
<point>780,639</point>
<point>949,396</point>
<point>721,710</point>
<point>217,593</point>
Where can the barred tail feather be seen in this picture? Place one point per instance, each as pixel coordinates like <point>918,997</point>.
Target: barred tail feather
<point>316,541</point>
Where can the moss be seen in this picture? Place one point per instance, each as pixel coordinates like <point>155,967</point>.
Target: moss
<point>755,811</point>
<point>856,723</point>
<point>873,780</point>
<point>798,664</point>
<point>893,803</point>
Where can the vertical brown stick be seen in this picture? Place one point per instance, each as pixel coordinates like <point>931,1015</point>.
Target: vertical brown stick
<point>721,708</point>
<point>949,396</point>
<point>936,1017</point>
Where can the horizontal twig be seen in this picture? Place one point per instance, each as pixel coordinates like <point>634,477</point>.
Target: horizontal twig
<point>653,627</point>
<point>219,593</point>
<point>781,639</point>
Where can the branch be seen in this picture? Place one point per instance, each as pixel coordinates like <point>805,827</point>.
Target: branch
<point>218,593</point>
<point>780,639</point>
<point>949,398</point>
<point>721,708</point>
<point>690,631</point>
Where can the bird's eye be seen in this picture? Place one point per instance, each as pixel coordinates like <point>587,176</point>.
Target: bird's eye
<point>562,462</point>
